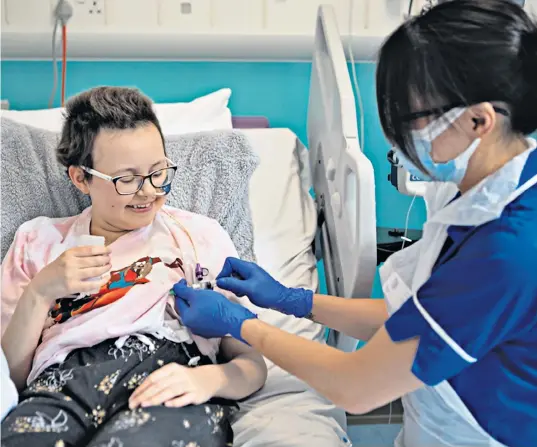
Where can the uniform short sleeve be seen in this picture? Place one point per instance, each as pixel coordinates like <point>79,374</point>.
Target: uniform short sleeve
<point>484,296</point>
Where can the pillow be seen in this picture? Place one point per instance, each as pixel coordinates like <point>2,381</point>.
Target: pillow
<point>213,174</point>
<point>205,113</point>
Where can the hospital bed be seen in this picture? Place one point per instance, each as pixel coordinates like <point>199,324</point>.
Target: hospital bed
<point>309,205</point>
<point>294,229</point>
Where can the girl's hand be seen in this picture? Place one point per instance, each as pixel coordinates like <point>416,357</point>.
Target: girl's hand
<point>176,386</point>
<point>69,273</point>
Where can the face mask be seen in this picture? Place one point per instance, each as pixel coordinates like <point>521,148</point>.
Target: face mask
<point>412,169</point>
<point>451,171</point>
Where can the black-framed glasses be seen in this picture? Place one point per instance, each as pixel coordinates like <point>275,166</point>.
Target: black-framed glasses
<point>441,110</point>
<point>129,184</point>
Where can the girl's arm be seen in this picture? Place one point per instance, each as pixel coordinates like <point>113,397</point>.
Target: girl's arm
<point>358,381</point>
<point>176,385</point>
<point>23,333</point>
<point>244,373</point>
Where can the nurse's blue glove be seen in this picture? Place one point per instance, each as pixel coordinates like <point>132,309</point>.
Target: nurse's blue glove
<point>246,278</point>
<point>209,314</point>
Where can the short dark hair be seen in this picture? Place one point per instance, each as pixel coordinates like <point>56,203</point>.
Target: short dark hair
<point>100,108</point>
<point>461,52</point>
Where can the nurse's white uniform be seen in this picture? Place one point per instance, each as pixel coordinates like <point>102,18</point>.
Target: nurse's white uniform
<point>436,416</point>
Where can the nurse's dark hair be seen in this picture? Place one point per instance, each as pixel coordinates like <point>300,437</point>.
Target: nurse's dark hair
<point>114,108</point>
<point>461,52</point>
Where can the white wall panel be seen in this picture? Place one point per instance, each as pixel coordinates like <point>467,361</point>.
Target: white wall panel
<point>132,14</point>
<point>185,15</point>
<point>194,29</point>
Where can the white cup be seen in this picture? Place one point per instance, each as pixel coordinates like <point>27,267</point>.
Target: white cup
<point>88,240</point>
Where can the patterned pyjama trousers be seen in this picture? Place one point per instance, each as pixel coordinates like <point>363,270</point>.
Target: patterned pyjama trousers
<point>84,402</point>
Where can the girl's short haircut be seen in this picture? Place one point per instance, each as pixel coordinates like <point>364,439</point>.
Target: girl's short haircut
<point>459,53</point>
<point>114,108</point>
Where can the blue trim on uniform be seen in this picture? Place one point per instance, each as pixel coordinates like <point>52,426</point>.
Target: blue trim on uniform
<point>485,298</point>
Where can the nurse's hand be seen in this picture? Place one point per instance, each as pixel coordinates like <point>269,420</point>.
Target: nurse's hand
<point>246,278</point>
<point>209,314</point>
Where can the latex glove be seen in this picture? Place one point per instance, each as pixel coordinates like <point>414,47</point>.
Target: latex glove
<point>176,386</point>
<point>246,278</point>
<point>209,314</point>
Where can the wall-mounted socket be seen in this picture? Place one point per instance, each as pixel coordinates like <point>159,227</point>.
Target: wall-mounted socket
<point>88,14</point>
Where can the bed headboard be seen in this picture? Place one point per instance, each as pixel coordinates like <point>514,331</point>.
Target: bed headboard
<point>250,122</point>
<point>343,176</point>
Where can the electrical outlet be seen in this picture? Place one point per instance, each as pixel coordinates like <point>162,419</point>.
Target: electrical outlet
<point>88,14</point>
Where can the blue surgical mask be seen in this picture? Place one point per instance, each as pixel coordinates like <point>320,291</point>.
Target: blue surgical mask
<point>412,169</point>
<point>452,171</point>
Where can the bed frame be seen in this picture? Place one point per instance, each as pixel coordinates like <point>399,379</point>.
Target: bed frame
<point>342,175</point>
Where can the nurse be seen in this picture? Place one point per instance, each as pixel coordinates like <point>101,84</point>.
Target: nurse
<point>456,336</point>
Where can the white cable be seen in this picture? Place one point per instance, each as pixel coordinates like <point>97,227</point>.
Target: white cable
<point>54,64</point>
<point>361,131</point>
<point>62,13</point>
<point>406,221</point>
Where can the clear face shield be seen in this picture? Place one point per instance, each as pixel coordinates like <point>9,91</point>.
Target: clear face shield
<point>452,170</point>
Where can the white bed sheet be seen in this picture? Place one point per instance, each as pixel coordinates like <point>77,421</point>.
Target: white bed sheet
<point>286,412</point>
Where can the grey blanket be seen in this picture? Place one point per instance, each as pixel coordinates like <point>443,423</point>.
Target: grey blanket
<point>214,169</point>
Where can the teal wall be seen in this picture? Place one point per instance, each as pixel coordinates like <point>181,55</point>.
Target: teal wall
<point>277,90</point>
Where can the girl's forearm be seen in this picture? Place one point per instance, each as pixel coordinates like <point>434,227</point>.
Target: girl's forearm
<point>241,376</point>
<point>22,335</point>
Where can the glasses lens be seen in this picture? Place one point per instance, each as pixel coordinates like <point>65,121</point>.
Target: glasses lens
<point>162,177</point>
<point>129,184</point>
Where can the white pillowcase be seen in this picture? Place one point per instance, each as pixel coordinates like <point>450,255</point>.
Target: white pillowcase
<point>209,112</point>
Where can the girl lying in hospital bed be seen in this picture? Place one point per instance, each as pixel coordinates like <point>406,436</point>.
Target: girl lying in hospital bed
<point>92,328</point>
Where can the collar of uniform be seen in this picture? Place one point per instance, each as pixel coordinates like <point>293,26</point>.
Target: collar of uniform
<point>457,233</point>
<point>530,169</point>
<point>486,200</point>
